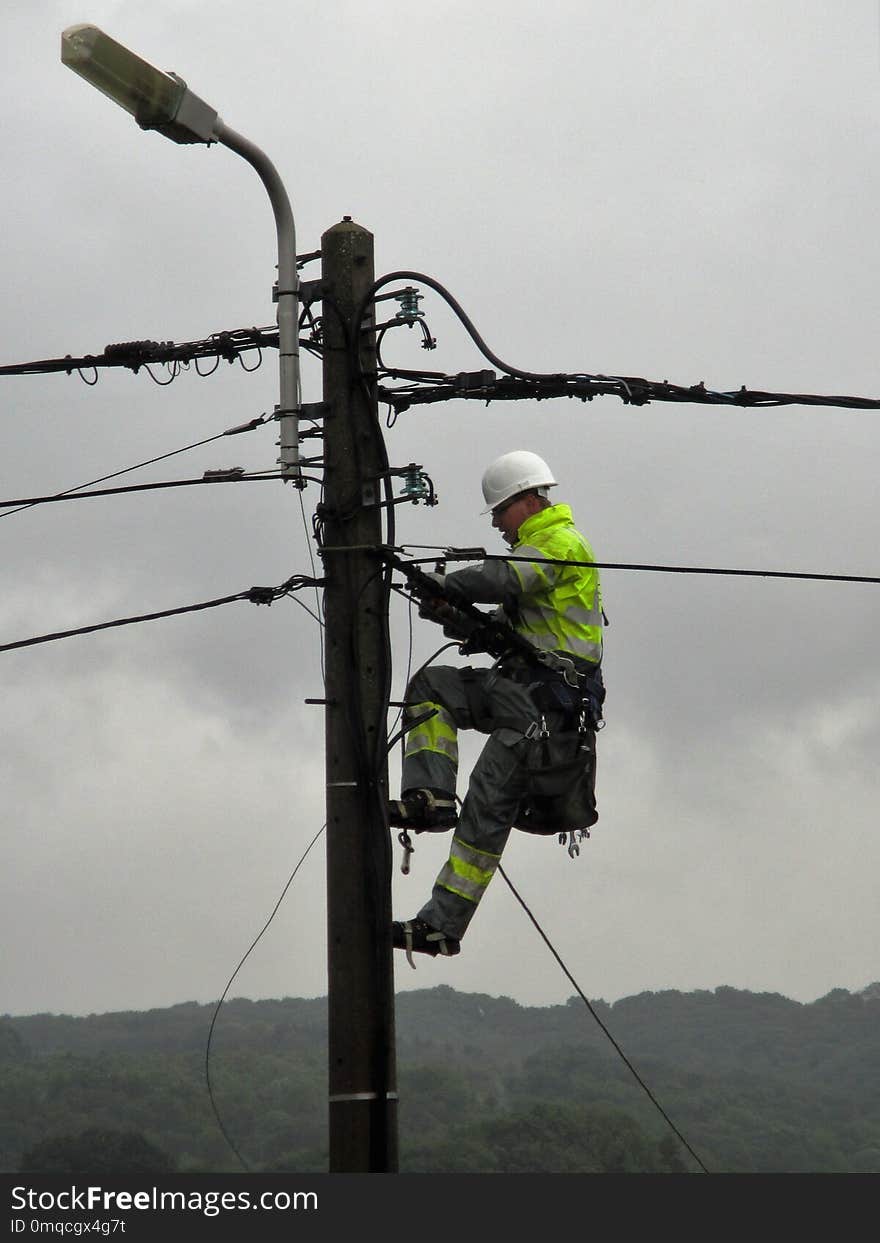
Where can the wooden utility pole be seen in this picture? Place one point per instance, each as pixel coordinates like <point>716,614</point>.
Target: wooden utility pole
<point>362,1079</point>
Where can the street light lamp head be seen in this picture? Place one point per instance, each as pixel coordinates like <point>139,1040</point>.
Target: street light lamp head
<point>164,102</point>
<point>156,100</point>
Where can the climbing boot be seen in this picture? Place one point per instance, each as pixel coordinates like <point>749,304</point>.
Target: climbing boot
<point>423,811</point>
<point>417,937</point>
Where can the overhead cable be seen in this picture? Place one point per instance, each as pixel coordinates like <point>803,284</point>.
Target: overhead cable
<point>634,391</point>
<point>520,384</point>
<point>256,595</point>
<point>126,470</point>
<point>229,983</point>
<point>605,1030</point>
<point>220,477</point>
<point>426,387</point>
<point>136,354</point>
<point>229,344</point>
<point>473,554</point>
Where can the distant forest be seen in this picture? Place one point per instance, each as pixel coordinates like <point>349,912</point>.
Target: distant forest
<point>755,1082</point>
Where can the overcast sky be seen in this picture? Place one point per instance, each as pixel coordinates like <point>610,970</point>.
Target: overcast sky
<point>680,191</point>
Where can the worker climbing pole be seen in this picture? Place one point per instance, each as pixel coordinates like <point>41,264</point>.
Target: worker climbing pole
<point>540,704</point>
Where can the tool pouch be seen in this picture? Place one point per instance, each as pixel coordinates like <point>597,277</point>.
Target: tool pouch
<point>561,784</point>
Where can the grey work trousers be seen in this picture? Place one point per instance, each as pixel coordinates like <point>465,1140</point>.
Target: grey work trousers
<point>484,700</point>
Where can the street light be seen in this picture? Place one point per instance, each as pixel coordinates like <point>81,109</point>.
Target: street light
<point>163,101</point>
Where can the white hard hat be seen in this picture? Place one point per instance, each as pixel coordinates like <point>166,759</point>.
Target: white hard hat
<point>519,471</point>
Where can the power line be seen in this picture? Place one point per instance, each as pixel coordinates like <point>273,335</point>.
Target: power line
<point>256,595</point>
<point>29,502</point>
<point>113,475</point>
<point>423,387</point>
<point>518,384</point>
<point>161,457</point>
<point>229,982</point>
<point>616,1046</point>
<point>228,345</point>
<point>473,554</point>
<point>632,390</point>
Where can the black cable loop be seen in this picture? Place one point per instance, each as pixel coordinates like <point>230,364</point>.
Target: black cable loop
<point>173,369</point>
<point>416,375</point>
<point>205,374</point>
<point>463,317</point>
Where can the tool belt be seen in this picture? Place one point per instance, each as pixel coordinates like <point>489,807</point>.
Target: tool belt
<point>578,693</point>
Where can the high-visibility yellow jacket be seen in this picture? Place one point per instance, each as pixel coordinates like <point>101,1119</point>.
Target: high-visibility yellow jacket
<point>556,607</point>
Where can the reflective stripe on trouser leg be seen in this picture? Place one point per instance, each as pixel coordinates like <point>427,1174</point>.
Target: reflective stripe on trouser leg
<point>467,872</point>
<point>438,733</point>
<point>431,755</point>
<point>495,790</point>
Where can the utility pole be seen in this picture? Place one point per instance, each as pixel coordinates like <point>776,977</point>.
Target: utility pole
<point>362,1073</point>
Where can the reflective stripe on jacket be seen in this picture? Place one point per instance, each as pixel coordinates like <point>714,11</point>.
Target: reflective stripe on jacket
<point>556,607</point>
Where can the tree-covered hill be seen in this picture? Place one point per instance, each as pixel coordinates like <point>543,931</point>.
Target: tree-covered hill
<point>755,1082</point>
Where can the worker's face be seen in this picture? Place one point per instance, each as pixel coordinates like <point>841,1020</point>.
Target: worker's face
<point>509,516</point>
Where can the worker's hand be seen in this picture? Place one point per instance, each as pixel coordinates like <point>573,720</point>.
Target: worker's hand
<point>435,609</point>
<point>454,594</point>
<point>443,607</point>
<point>439,579</point>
